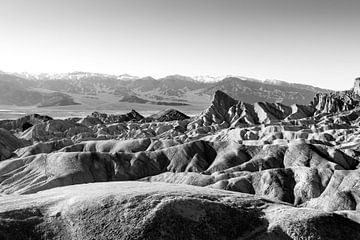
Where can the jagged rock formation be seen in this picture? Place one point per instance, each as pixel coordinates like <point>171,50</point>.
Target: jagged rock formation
<point>339,101</point>
<point>225,111</point>
<point>24,123</point>
<point>90,121</point>
<point>133,115</point>
<point>169,115</point>
<point>356,87</point>
<point>53,130</point>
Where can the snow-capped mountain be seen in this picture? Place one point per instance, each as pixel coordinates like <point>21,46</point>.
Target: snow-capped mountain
<point>212,79</point>
<point>73,76</point>
<point>172,88</point>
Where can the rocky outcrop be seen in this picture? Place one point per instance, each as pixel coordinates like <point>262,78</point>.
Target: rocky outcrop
<point>335,102</point>
<point>169,115</point>
<point>111,118</point>
<point>271,112</point>
<point>135,210</point>
<point>8,144</point>
<point>89,121</point>
<point>53,130</point>
<point>24,123</point>
<point>356,87</point>
<point>218,110</point>
<point>301,111</point>
<point>225,112</point>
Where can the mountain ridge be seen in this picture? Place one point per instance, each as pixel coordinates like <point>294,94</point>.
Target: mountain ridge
<point>77,87</point>
<point>198,78</point>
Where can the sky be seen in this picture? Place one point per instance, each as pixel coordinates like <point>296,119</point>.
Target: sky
<point>313,42</point>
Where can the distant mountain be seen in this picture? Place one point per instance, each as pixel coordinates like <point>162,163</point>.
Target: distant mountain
<point>60,89</point>
<point>255,91</point>
<point>212,79</point>
<point>207,78</point>
<point>17,91</point>
<point>174,85</point>
<point>73,76</point>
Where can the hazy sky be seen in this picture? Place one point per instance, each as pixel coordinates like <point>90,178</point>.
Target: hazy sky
<point>307,41</point>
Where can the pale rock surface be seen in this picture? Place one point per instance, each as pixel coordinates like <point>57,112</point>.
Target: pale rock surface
<point>133,210</point>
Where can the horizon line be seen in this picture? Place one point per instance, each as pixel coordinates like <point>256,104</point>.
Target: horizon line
<point>218,78</point>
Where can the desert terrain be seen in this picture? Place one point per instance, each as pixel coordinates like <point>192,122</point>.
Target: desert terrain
<point>219,166</point>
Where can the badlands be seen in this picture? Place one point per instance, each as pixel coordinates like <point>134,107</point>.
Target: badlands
<point>235,171</point>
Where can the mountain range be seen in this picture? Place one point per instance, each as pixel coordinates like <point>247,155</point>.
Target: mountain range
<point>94,89</point>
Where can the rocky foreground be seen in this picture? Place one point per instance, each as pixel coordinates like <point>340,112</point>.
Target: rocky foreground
<point>235,171</point>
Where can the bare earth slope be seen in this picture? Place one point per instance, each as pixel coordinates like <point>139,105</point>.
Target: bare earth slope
<point>135,210</point>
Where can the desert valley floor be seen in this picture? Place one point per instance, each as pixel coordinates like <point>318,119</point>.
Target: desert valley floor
<point>235,171</point>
